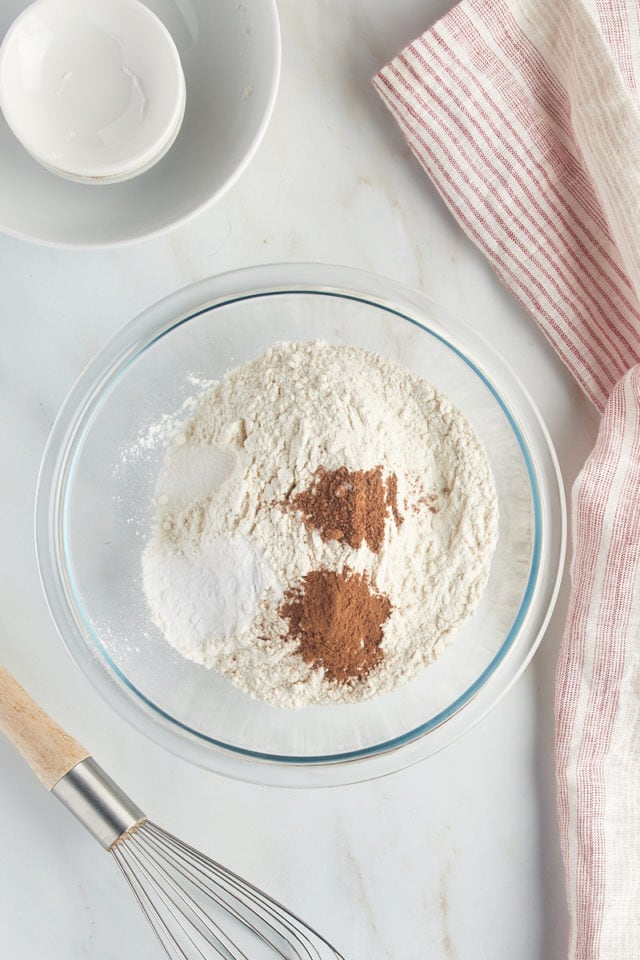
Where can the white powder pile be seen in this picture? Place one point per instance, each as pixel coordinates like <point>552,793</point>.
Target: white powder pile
<point>224,552</point>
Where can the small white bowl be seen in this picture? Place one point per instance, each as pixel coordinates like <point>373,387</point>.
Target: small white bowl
<point>93,89</point>
<point>230,54</point>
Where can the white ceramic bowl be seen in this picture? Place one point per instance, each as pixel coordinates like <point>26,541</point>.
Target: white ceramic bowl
<point>93,89</point>
<point>230,54</point>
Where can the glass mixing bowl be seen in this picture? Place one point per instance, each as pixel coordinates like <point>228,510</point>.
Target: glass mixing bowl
<point>95,506</point>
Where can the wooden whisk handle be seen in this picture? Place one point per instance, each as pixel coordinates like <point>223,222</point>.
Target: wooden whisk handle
<point>47,748</point>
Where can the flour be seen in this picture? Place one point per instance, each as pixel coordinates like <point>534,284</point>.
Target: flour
<point>224,552</point>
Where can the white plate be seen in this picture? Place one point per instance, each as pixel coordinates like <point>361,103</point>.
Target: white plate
<point>230,54</point>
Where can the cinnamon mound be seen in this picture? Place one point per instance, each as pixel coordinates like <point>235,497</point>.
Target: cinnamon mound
<point>338,623</point>
<point>349,505</point>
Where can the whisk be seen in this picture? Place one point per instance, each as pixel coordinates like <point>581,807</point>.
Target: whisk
<point>197,908</point>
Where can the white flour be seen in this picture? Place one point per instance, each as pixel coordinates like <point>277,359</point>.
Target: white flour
<point>224,552</point>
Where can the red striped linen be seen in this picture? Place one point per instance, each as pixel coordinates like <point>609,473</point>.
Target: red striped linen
<point>525,114</point>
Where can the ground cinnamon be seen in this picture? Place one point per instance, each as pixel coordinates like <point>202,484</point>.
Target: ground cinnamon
<point>392,499</point>
<point>338,622</point>
<point>349,505</point>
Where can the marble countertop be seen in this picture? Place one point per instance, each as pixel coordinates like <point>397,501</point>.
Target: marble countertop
<point>454,858</point>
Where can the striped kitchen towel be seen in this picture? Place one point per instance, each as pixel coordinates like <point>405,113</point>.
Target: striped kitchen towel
<point>526,115</point>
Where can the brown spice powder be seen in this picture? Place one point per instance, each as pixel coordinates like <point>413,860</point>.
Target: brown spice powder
<point>337,621</point>
<point>392,499</point>
<point>349,505</point>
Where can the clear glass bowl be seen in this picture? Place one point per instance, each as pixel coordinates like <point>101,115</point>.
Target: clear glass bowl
<point>95,504</point>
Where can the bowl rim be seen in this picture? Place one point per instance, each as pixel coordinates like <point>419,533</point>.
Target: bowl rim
<point>66,438</point>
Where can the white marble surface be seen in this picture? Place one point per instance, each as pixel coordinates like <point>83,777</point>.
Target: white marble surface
<point>454,858</point>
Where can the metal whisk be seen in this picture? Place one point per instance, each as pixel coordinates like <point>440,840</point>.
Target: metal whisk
<point>197,908</point>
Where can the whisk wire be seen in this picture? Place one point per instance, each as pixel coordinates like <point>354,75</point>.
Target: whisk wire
<point>186,913</point>
<point>180,890</point>
<point>150,910</point>
<point>227,889</point>
<point>181,866</point>
<point>277,920</point>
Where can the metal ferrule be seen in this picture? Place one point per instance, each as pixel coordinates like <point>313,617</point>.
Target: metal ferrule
<point>97,802</point>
